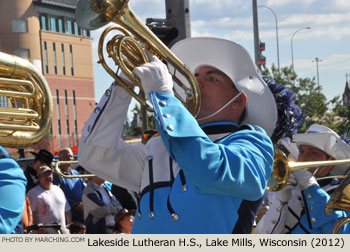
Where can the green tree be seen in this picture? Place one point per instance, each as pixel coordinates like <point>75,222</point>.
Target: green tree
<point>309,97</point>
<point>341,116</point>
<point>135,128</point>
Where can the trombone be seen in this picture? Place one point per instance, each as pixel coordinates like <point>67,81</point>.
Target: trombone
<point>127,50</point>
<point>282,168</point>
<point>61,174</point>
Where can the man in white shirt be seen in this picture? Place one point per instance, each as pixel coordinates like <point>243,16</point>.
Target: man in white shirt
<point>48,202</point>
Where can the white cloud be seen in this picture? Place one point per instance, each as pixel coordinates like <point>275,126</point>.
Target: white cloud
<point>223,23</point>
<point>342,4</point>
<point>316,19</point>
<point>334,62</point>
<point>236,35</point>
<point>286,2</point>
<point>218,7</point>
<point>330,33</point>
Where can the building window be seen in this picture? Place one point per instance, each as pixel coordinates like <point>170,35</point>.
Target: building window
<point>19,26</point>
<point>58,117</point>
<point>54,57</point>
<point>46,64</point>
<point>53,25</point>
<point>76,29</point>
<point>4,101</point>
<point>75,117</point>
<point>69,26</point>
<point>71,59</point>
<point>67,115</point>
<point>23,53</point>
<point>43,22</point>
<point>60,25</point>
<point>63,60</point>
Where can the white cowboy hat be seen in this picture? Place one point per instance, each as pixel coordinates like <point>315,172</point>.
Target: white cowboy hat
<point>327,140</point>
<point>232,59</point>
<point>290,147</point>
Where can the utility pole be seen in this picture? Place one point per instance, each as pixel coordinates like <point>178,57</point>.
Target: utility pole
<point>318,78</point>
<point>178,15</point>
<point>256,33</point>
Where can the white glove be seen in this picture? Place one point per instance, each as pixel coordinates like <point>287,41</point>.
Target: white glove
<point>305,179</point>
<point>285,194</point>
<point>155,77</point>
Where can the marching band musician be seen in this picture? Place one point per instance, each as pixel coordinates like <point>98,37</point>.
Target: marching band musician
<point>299,207</point>
<point>204,175</point>
<point>12,191</point>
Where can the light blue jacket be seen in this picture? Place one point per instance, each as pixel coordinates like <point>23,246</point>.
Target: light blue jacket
<point>314,220</point>
<point>12,192</point>
<point>217,176</point>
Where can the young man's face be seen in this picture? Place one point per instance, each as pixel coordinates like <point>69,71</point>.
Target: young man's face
<point>309,153</point>
<point>216,90</point>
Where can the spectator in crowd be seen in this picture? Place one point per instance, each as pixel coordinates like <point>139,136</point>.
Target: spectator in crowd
<point>27,215</point>
<point>48,202</point>
<point>299,208</point>
<point>100,207</point>
<point>77,228</point>
<point>72,187</point>
<point>12,193</point>
<point>127,198</point>
<point>124,221</point>
<point>43,157</point>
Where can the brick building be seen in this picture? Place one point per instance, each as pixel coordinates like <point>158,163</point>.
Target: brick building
<point>45,33</point>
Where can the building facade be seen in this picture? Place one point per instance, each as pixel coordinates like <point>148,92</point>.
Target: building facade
<point>45,33</point>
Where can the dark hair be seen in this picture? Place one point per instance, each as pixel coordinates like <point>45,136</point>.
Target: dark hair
<point>75,227</point>
<point>120,215</point>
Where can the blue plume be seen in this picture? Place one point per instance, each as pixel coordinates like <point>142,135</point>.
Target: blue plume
<point>289,114</point>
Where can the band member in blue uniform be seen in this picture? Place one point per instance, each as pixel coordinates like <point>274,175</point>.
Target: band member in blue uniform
<point>299,208</point>
<point>12,192</point>
<point>202,175</point>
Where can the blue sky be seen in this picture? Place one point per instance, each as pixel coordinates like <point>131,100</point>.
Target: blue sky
<point>328,39</point>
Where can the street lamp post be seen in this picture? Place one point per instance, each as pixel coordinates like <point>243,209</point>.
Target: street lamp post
<point>318,78</point>
<point>291,43</point>
<point>278,54</point>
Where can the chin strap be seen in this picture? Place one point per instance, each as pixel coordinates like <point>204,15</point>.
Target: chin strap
<point>223,107</point>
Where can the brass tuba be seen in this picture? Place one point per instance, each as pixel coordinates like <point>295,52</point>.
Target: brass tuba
<point>282,168</point>
<point>340,200</point>
<point>26,108</point>
<point>127,50</point>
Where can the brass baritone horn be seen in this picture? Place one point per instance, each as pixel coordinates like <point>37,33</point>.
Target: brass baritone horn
<point>127,50</point>
<point>340,200</point>
<point>282,168</point>
<point>26,118</point>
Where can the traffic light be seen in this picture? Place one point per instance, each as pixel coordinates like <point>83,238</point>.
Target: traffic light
<point>262,58</point>
<point>163,31</point>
